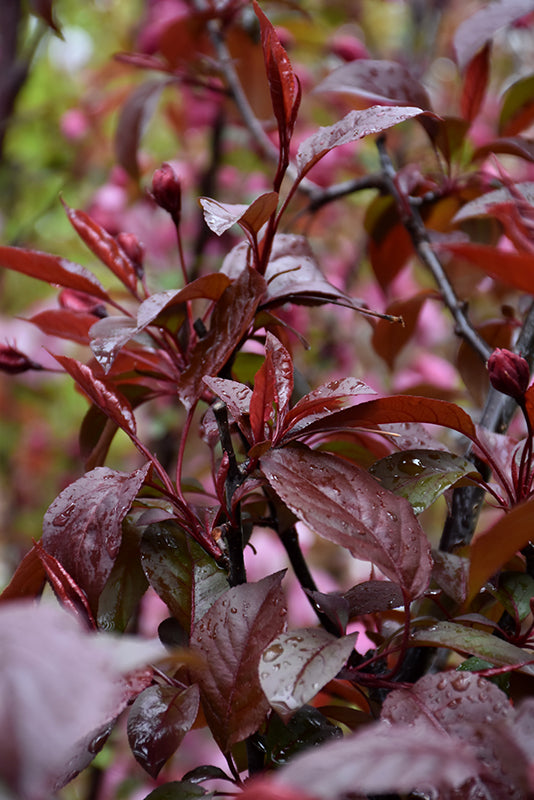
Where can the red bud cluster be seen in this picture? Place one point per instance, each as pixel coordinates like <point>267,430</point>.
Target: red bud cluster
<point>509,373</point>
<point>167,190</point>
<point>13,361</point>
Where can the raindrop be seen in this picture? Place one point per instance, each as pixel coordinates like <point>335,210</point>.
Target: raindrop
<point>62,518</point>
<point>233,610</point>
<point>273,652</point>
<point>461,683</point>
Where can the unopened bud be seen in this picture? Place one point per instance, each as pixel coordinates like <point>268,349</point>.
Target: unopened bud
<point>82,302</point>
<point>509,373</point>
<point>167,190</point>
<point>13,361</point>
<point>134,250</point>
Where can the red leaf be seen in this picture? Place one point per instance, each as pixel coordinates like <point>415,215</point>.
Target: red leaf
<point>231,318</point>
<point>356,125</point>
<point>66,589</point>
<point>377,82</point>
<point>393,409</point>
<point>237,397</point>
<point>59,690</point>
<point>104,246</point>
<point>63,322</point>
<point>134,117</point>
<point>158,721</point>
<point>512,269</point>
<point>381,759</point>
<point>209,286</point>
<point>44,9</point>
<point>262,402</point>
<point>101,392</point>
<point>52,269</point>
<point>28,580</point>
<point>310,657</point>
<point>475,83</point>
<point>479,28</point>
<point>108,336</point>
<point>512,145</point>
<point>343,504</point>
<point>82,528</point>
<point>496,545</point>
<point>285,92</point>
<point>371,596</point>
<point>321,402</point>
<point>517,110</point>
<point>220,217</point>
<point>231,638</point>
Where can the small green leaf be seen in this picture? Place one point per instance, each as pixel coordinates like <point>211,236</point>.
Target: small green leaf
<point>515,592</point>
<point>421,476</point>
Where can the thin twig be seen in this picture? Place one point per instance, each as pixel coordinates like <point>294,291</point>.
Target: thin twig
<point>415,227</point>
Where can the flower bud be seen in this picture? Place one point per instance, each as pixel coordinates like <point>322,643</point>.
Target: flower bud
<point>134,249</point>
<point>509,373</point>
<point>167,190</point>
<point>13,361</point>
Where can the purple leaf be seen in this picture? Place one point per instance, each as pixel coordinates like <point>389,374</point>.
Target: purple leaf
<point>65,323</point>
<point>320,403</point>
<point>133,120</point>
<point>479,28</point>
<point>185,577</point>
<point>371,596</point>
<point>59,688</point>
<point>379,759</point>
<point>309,658</point>
<point>231,318</point>
<point>355,125</point>
<point>52,269</point>
<point>376,82</point>
<point>231,638</point>
<point>158,721</point>
<point>342,503</point>
<point>237,398</point>
<point>108,336</point>
<point>512,145</point>
<point>102,393</point>
<point>82,527</point>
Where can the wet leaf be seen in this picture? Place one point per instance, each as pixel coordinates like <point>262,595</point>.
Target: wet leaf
<point>53,270</point>
<point>385,83</point>
<point>492,548</point>
<point>451,573</point>
<point>236,396</point>
<point>283,83</point>
<point>220,217</point>
<point>307,728</point>
<point>230,320</point>
<point>231,638</point>
<point>185,577</point>
<point>516,590</point>
<point>108,336</point>
<point>475,83</point>
<point>512,145</point>
<point>471,641</point>
<point>28,580</point>
<point>104,246</point>
<point>343,503</point>
<point>372,596</point>
<point>82,528</point>
<point>101,392</point>
<point>69,594</point>
<point>297,664</point>
<point>380,759</point>
<point>320,402</point>
<point>158,721</point>
<point>479,28</point>
<point>421,476</point>
<point>179,790</point>
<point>355,125</point>
<point>394,409</point>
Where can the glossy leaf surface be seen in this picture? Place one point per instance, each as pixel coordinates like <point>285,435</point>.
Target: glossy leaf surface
<point>344,504</point>
<point>158,721</point>
<point>82,528</point>
<point>387,83</point>
<point>231,638</point>
<point>310,657</point>
<point>185,577</point>
<point>420,476</point>
<point>474,642</point>
<point>356,125</point>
